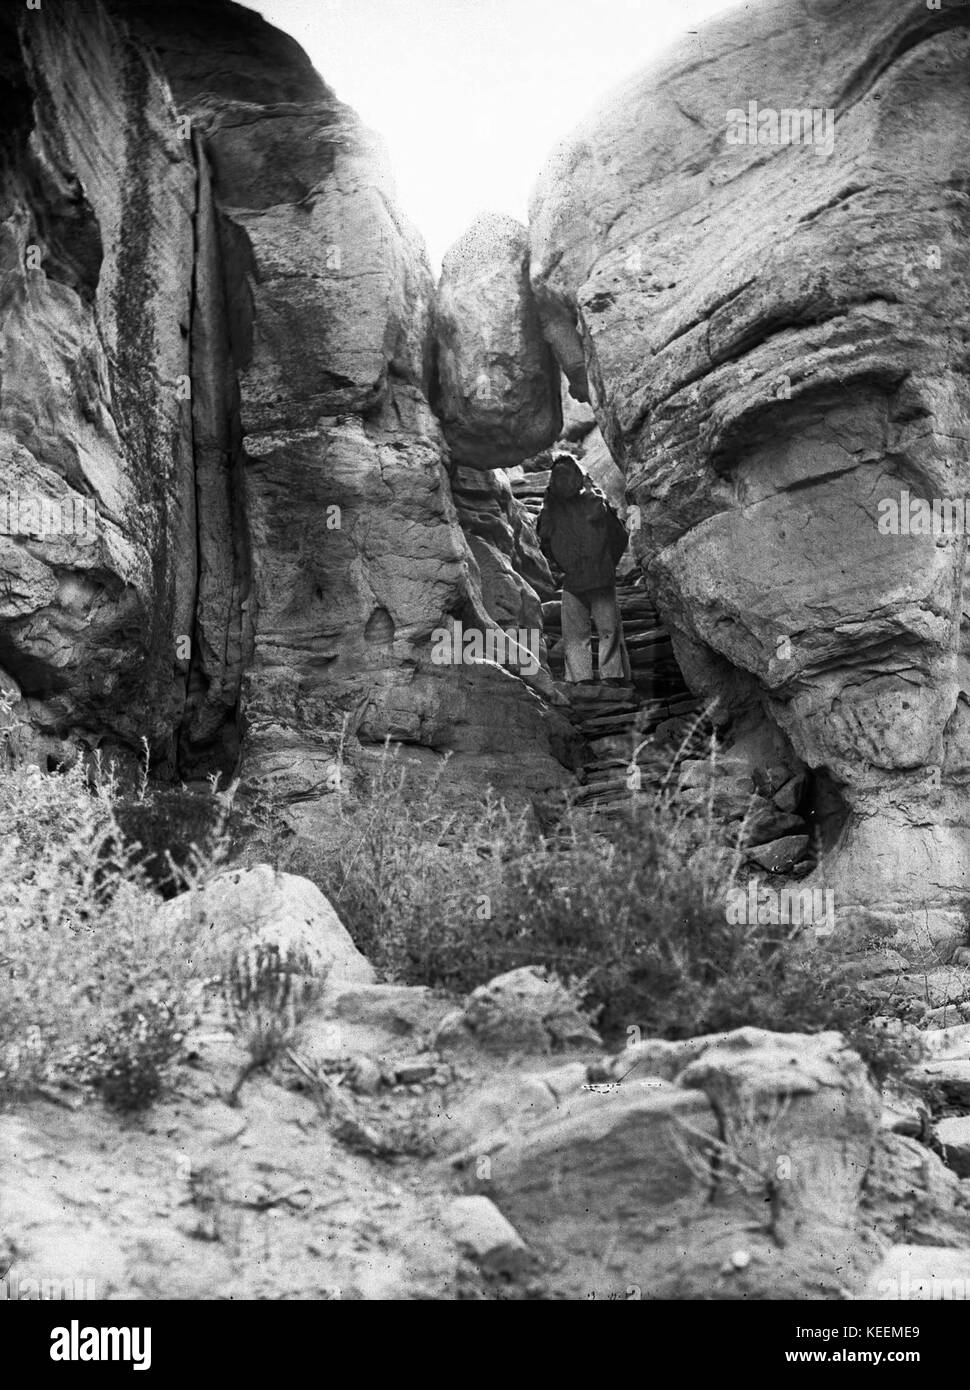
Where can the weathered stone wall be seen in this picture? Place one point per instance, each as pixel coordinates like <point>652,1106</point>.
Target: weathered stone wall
<point>229,347</point>
<point>773,338</point>
<point>96,203</point>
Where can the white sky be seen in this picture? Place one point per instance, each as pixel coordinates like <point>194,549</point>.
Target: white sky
<point>471,95</point>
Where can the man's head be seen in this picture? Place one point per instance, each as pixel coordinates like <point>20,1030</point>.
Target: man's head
<point>566,478</point>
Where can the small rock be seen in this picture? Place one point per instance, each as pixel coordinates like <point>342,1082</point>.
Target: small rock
<point>950,1077</point>
<point>521,1010</point>
<point>364,1076</point>
<point>415,1069</point>
<point>871,964</point>
<point>943,1017</point>
<point>768,825</point>
<point>901,1115</point>
<point>779,856</point>
<point>948,1043</point>
<point>788,796</point>
<point>954,1136</point>
<point>399,1009</point>
<point>482,1232</point>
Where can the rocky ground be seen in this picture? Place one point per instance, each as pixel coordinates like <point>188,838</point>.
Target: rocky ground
<point>407,1145</point>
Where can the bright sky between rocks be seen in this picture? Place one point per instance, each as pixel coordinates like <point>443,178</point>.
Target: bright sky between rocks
<point>470,96</point>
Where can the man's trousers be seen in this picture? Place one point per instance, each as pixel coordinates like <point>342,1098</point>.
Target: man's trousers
<point>600,606</point>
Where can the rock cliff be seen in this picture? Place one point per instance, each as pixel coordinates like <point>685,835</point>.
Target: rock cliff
<point>765,382</point>
<point>226,347</point>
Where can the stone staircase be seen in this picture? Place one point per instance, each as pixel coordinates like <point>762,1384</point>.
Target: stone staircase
<point>658,724</point>
<point>613,720</point>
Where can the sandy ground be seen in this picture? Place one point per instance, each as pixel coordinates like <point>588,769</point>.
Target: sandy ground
<point>197,1199</point>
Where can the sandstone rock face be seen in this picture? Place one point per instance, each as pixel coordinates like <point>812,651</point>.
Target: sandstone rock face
<point>354,550</point>
<point>96,262</point>
<point>765,382</point>
<point>226,350</point>
<point>514,574</point>
<point>282,910</point>
<point>498,382</point>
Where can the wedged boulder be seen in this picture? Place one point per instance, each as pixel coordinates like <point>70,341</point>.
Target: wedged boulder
<point>247,905</point>
<point>498,393</point>
<point>761,323</point>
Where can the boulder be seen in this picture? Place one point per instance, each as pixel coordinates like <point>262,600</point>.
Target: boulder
<point>498,393</point>
<point>953,1137</point>
<point>259,904</point>
<point>802,1113</point>
<point>948,1044</point>
<point>757,379</point>
<point>760,1141</point>
<point>521,1011</point>
<point>508,1106</point>
<point>596,1190</point>
<point>483,1234</point>
<point>396,1009</point>
<point>780,856</point>
<point>947,1079</point>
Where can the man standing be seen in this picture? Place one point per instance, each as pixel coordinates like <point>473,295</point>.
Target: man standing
<point>581,535</point>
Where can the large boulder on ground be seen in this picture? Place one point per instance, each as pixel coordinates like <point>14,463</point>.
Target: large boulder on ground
<point>244,906</point>
<point>761,1143</point>
<point>498,382</point>
<point>763,317</point>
